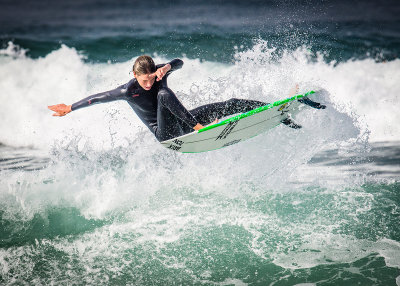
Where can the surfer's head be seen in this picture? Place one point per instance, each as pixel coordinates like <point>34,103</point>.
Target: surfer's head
<point>142,69</point>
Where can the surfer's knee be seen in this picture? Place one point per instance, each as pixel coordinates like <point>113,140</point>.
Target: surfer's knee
<point>232,101</point>
<point>165,94</point>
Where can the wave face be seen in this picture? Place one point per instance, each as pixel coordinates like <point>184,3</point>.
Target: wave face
<point>92,197</point>
<point>363,90</point>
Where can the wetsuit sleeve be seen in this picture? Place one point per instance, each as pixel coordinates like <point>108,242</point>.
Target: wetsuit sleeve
<point>107,96</point>
<point>176,64</point>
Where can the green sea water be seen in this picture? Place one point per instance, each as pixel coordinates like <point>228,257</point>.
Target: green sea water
<point>191,235</point>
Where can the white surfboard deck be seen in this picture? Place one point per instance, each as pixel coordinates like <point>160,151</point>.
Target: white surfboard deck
<point>237,128</point>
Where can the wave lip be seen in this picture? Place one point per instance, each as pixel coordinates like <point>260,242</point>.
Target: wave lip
<point>363,89</point>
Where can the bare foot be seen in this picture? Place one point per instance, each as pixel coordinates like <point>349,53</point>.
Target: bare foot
<point>215,121</point>
<point>198,127</point>
<point>294,90</point>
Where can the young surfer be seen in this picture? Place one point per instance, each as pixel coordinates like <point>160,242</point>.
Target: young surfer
<point>157,105</point>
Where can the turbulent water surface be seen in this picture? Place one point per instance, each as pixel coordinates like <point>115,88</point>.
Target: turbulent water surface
<point>93,199</point>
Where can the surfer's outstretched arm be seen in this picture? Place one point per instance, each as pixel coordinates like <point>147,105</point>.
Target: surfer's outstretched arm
<point>107,96</point>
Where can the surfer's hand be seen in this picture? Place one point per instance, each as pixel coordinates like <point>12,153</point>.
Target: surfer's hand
<point>198,127</point>
<point>161,72</point>
<point>60,109</point>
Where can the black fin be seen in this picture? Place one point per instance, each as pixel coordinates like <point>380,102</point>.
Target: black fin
<point>290,123</point>
<point>311,103</point>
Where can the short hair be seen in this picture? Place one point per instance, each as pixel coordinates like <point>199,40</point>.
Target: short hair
<point>144,65</point>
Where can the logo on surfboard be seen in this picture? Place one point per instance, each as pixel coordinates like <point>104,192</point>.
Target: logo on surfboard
<point>284,108</point>
<point>227,130</point>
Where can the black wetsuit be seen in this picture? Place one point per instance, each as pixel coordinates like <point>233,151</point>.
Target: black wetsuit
<point>162,112</point>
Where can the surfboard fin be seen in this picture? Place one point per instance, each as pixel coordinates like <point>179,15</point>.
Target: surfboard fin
<point>290,123</point>
<point>311,103</point>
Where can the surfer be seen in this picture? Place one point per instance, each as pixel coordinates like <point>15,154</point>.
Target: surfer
<point>157,105</point>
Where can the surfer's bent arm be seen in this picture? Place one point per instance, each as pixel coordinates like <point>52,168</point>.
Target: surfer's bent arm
<point>166,69</point>
<point>175,64</point>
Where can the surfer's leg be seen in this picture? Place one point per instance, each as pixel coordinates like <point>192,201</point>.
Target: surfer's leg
<point>167,124</point>
<point>167,98</point>
<point>173,119</point>
<point>206,114</point>
<point>236,105</point>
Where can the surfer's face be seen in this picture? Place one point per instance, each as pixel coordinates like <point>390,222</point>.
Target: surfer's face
<point>146,81</point>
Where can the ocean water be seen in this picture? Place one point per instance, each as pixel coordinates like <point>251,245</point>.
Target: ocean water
<point>93,199</point>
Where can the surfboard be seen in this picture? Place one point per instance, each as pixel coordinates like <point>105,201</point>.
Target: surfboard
<point>238,128</point>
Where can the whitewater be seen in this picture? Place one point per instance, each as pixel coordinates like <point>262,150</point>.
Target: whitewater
<point>99,200</point>
<point>363,89</point>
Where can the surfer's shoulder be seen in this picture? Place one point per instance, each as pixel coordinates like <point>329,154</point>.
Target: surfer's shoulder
<point>122,90</point>
<point>129,86</point>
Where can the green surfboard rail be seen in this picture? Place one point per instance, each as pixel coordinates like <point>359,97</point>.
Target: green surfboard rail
<point>257,110</point>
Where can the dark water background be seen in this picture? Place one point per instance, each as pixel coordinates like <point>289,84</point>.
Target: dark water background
<point>210,30</point>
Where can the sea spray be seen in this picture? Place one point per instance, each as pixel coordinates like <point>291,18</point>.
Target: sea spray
<point>110,205</point>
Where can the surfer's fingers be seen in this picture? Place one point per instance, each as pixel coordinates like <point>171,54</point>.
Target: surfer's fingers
<point>56,107</point>
<point>160,74</point>
<point>60,113</point>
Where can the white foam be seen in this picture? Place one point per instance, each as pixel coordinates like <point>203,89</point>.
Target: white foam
<point>328,248</point>
<point>164,229</point>
<point>106,164</point>
<point>235,282</point>
<point>364,89</point>
<point>13,50</point>
<point>390,250</point>
<point>103,153</point>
